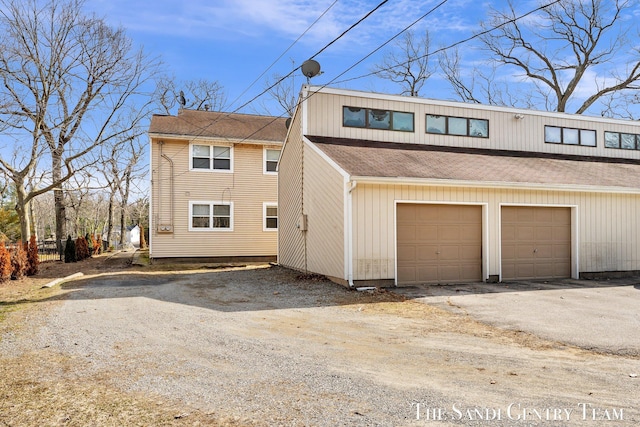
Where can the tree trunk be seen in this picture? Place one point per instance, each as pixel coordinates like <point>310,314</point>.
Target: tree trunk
<point>58,196</point>
<point>122,225</point>
<point>125,199</point>
<point>22,208</point>
<point>110,220</point>
<point>34,224</point>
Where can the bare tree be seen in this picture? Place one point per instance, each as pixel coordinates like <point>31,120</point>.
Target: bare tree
<point>567,46</point>
<point>407,64</point>
<point>192,94</point>
<point>282,90</point>
<point>69,82</point>
<point>121,172</point>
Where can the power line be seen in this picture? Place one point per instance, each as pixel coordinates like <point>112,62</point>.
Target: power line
<point>375,50</point>
<point>313,56</point>
<point>442,49</point>
<point>204,128</point>
<point>285,51</point>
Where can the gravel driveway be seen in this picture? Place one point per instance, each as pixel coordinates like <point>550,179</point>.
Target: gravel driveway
<point>263,346</point>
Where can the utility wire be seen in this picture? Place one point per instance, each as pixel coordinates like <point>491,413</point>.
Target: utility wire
<point>378,48</point>
<point>204,128</point>
<point>313,56</point>
<point>285,51</point>
<point>442,49</point>
<point>350,28</point>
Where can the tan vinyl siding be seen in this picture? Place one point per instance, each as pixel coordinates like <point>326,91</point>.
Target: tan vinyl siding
<point>324,206</point>
<point>247,188</point>
<point>605,227</point>
<point>505,131</point>
<point>291,249</point>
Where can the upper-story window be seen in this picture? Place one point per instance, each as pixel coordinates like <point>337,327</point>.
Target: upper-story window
<point>377,119</point>
<point>211,157</point>
<point>627,141</point>
<point>569,136</point>
<point>461,126</point>
<point>271,157</point>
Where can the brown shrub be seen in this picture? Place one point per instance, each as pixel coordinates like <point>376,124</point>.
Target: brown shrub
<point>18,262</point>
<point>32,257</point>
<point>97,245</point>
<point>82,249</point>
<point>5,263</point>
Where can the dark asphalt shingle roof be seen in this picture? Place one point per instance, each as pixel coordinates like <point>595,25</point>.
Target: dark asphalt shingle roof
<point>213,124</point>
<point>383,159</point>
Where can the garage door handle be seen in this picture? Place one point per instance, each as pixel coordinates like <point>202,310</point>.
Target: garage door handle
<point>437,252</point>
<point>535,250</point>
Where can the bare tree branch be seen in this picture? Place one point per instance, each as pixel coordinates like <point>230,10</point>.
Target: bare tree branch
<point>408,63</point>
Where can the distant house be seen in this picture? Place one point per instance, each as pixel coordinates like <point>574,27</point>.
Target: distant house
<point>214,185</point>
<point>386,189</point>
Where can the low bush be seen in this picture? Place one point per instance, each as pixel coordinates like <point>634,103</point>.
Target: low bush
<point>5,263</point>
<point>33,260</point>
<point>18,262</point>
<point>70,251</point>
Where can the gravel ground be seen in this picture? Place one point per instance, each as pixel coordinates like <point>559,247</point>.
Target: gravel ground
<point>263,346</point>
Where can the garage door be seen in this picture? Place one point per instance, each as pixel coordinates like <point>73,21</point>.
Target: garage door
<point>439,243</point>
<point>536,242</point>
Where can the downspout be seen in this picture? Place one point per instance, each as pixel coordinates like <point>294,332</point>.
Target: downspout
<point>350,233</point>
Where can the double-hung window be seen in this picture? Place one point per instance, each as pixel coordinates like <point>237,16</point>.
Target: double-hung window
<point>271,157</point>
<point>270,215</point>
<point>210,216</point>
<point>211,157</point>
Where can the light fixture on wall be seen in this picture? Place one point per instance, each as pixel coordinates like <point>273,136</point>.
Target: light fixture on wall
<point>518,116</point>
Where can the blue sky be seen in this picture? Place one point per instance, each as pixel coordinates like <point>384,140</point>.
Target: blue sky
<point>234,41</point>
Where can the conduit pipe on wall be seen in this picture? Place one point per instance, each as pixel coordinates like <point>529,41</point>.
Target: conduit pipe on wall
<point>350,232</point>
<point>171,195</point>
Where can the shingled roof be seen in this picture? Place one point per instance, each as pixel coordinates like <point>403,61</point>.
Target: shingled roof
<point>194,123</point>
<point>392,160</point>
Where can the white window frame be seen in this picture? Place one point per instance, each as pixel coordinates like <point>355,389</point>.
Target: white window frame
<point>211,169</point>
<point>266,205</point>
<point>264,161</point>
<point>211,228</point>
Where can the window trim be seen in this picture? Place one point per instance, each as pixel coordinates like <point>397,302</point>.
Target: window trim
<point>367,110</point>
<point>580,130</point>
<point>620,147</point>
<point>264,161</point>
<point>446,126</point>
<point>211,228</point>
<point>266,205</point>
<point>211,158</point>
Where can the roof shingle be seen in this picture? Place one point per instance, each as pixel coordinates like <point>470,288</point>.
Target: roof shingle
<point>393,160</point>
<point>214,124</point>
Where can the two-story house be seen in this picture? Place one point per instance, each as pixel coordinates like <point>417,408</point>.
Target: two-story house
<point>214,185</point>
<point>381,188</point>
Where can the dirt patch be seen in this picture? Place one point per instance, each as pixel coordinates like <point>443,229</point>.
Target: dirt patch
<point>260,345</point>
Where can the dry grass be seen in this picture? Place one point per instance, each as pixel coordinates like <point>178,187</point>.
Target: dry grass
<point>40,388</point>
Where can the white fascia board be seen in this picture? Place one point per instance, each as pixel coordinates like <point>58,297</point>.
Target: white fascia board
<point>194,138</point>
<point>494,184</point>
